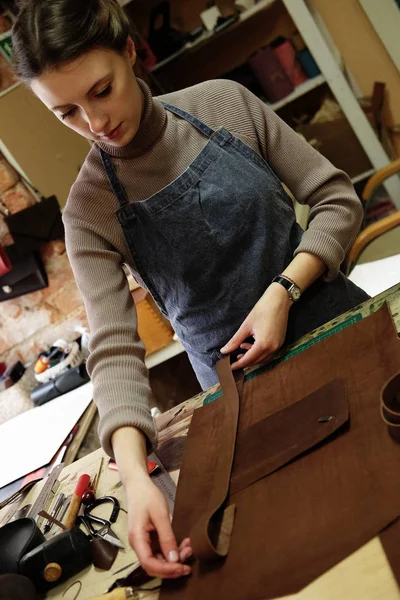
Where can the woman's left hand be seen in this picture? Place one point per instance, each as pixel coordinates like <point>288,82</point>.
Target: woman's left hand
<point>267,324</point>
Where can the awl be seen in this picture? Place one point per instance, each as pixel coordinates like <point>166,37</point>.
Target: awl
<point>118,594</point>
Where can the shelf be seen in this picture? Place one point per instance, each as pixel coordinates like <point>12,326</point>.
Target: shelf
<point>299,91</point>
<point>246,14</point>
<point>161,356</point>
<point>362,176</point>
<point>9,89</point>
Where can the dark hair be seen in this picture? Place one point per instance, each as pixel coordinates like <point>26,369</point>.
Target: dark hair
<point>48,33</point>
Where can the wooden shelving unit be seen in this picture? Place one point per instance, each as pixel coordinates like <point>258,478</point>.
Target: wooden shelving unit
<point>214,54</point>
<point>299,91</point>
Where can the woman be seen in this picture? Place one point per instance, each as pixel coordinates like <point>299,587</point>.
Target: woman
<point>186,190</point>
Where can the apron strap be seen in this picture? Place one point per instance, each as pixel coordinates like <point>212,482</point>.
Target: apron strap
<point>202,127</point>
<point>112,177</point>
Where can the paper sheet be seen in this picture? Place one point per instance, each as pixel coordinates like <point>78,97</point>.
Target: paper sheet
<point>377,276</point>
<point>31,439</point>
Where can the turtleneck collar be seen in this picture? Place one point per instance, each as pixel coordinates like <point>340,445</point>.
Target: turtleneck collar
<point>152,123</point>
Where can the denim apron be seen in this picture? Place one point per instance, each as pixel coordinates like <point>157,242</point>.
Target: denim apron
<point>208,245</point>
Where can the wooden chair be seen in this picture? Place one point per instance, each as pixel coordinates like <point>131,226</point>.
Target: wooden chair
<point>381,239</point>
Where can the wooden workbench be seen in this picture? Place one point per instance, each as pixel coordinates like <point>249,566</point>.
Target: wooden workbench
<point>364,575</point>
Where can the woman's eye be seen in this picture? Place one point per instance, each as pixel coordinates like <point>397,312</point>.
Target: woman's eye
<point>69,113</point>
<point>104,93</point>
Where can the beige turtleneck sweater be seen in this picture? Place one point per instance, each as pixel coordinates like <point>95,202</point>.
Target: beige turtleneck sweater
<point>162,149</point>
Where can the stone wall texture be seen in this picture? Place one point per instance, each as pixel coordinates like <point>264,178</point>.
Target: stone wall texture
<point>31,323</point>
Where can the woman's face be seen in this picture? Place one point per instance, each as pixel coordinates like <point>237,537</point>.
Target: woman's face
<point>96,95</point>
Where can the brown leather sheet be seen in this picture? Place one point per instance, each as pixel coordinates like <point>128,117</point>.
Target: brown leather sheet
<point>302,519</point>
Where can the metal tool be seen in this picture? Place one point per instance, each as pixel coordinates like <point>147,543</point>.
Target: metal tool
<point>42,501</point>
<point>20,513</point>
<point>159,476</point>
<point>136,578</point>
<point>119,594</point>
<point>55,511</point>
<point>163,481</point>
<point>105,532</point>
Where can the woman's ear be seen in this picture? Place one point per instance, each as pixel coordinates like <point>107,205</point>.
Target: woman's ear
<point>130,50</point>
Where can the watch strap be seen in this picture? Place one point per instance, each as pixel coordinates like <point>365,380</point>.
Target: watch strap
<point>289,285</point>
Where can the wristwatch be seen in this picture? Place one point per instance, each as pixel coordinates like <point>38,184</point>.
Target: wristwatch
<point>292,288</point>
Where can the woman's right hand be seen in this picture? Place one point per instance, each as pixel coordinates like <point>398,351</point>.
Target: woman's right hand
<point>150,531</point>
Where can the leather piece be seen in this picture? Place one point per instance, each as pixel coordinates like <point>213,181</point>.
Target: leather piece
<point>104,554</point>
<point>283,436</point>
<point>36,225</point>
<point>27,275</point>
<point>302,519</point>
<point>210,535</point>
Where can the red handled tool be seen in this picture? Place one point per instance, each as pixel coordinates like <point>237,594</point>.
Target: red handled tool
<point>76,500</point>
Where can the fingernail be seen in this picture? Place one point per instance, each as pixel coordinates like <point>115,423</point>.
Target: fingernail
<point>223,350</point>
<point>186,554</point>
<point>173,556</point>
<point>187,570</point>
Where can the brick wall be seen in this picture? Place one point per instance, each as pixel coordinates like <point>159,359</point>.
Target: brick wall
<point>7,79</point>
<point>30,323</point>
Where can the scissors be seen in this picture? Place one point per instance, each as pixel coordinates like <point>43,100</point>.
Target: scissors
<point>105,532</point>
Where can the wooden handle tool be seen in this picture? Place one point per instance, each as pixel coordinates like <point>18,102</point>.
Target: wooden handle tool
<point>76,500</point>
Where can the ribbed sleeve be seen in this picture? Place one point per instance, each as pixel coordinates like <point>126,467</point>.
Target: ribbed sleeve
<point>116,361</point>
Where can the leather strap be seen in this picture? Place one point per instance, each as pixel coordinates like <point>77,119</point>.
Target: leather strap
<point>211,535</point>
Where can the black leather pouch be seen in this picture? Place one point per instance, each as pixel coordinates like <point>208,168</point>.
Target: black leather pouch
<point>58,559</point>
<point>66,382</point>
<point>27,275</point>
<point>36,225</point>
<point>16,539</point>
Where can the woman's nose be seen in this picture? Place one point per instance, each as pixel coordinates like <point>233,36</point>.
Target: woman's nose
<point>97,123</point>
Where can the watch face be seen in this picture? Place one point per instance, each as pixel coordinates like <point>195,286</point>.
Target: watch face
<point>295,293</point>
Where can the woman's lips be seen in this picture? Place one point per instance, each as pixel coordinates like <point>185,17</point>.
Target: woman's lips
<point>114,134</point>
